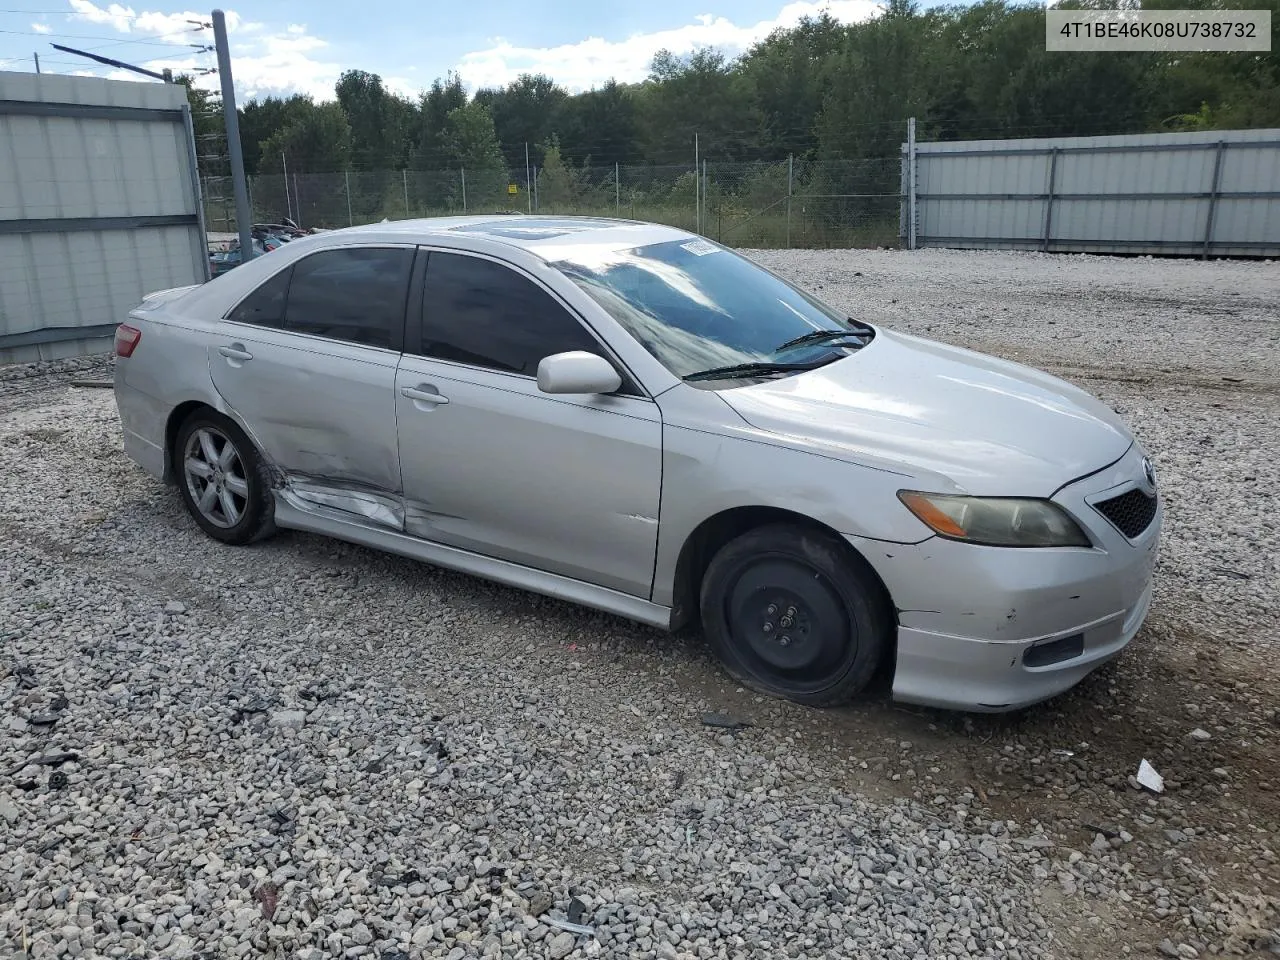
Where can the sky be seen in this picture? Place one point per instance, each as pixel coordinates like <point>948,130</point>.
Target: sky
<point>280,47</point>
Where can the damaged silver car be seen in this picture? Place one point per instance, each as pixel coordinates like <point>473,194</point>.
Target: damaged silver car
<point>642,421</point>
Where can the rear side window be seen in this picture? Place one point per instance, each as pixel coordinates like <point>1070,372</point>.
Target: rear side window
<point>355,294</point>
<point>484,314</point>
<point>265,306</point>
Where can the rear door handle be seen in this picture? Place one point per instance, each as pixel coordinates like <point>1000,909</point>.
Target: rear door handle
<point>235,352</point>
<point>423,394</point>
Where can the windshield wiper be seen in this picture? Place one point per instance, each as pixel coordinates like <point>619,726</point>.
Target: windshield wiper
<point>757,369</point>
<point>825,336</point>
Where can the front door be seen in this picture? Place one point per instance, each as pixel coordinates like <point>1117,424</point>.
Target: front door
<point>568,484</point>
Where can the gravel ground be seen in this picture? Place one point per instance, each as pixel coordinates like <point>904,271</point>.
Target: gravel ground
<point>306,749</point>
<point>1203,322</point>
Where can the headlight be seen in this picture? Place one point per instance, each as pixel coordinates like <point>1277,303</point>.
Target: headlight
<point>995,521</point>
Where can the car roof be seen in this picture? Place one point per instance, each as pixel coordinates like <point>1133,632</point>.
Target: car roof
<point>546,236</point>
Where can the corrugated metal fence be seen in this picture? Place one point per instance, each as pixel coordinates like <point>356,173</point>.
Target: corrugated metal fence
<point>1211,193</point>
<point>99,205</point>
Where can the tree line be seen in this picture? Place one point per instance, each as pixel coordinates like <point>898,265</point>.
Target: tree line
<point>820,91</point>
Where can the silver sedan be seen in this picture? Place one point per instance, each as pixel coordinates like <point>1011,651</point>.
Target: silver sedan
<point>639,420</point>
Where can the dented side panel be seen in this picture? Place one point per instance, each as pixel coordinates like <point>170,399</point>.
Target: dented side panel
<point>322,412</point>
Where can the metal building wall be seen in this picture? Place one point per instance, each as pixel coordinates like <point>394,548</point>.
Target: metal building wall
<point>1211,193</point>
<point>99,205</point>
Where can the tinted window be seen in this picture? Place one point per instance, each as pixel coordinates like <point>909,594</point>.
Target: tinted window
<point>482,313</point>
<point>265,306</point>
<point>355,294</point>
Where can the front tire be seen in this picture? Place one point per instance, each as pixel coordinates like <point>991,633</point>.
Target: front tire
<point>222,480</point>
<point>793,613</point>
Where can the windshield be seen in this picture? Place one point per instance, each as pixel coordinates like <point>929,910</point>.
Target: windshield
<point>697,306</point>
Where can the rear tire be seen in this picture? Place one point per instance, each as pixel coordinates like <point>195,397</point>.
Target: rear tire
<point>793,613</point>
<point>222,479</point>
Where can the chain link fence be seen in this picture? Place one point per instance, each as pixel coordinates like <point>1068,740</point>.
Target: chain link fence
<point>791,203</point>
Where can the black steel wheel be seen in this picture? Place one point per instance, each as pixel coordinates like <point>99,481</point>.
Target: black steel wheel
<point>794,613</point>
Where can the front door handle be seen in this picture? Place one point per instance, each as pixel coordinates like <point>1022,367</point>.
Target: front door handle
<point>235,352</point>
<point>423,394</point>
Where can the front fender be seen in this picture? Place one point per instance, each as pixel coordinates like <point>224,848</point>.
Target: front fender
<point>708,470</point>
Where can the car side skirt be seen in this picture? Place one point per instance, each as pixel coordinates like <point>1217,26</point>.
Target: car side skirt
<point>339,525</point>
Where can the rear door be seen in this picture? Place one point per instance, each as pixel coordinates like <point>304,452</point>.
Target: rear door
<point>308,363</point>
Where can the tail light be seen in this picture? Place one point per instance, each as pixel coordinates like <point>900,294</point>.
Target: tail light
<point>127,340</point>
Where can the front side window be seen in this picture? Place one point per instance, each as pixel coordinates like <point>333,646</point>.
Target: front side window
<point>697,307</point>
<point>355,294</point>
<point>484,314</point>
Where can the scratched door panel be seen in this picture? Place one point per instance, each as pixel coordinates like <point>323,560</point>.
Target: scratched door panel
<point>566,484</point>
<point>322,411</point>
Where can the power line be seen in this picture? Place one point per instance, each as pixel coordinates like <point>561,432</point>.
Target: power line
<point>88,36</point>
<point>69,13</point>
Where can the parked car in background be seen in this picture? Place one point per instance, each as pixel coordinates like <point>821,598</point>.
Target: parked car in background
<point>642,421</point>
<point>220,261</point>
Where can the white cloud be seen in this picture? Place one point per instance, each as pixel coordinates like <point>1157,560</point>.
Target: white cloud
<point>593,61</point>
<point>176,28</point>
<point>114,15</point>
<point>42,28</point>
<point>264,63</point>
<point>283,59</point>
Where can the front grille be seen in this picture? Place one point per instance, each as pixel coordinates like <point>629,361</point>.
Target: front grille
<point>1130,513</point>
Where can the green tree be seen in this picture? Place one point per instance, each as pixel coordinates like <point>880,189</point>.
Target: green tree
<point>599,125</point>
<point>787,74</point>
<point>471,144</point>
<point>561,186</point>
<point>379,120</point>
<point>702,94</point>
<point>209,128</point>
<point>317,141</point>
<point>260,120</point>
<point>445,96</point>
<point>522,114</point>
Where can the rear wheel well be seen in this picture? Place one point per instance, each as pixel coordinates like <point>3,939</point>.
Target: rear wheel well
<point>714,532</point>
<point>177,417</point>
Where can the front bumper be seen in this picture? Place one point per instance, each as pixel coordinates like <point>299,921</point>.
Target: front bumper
<point>993,629</point>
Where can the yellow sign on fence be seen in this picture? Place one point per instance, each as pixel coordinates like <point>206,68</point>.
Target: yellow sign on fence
<point>512,189</point>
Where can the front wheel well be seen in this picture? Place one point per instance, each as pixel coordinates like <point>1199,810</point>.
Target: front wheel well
<point>177,417</point>
<point>714,532</point>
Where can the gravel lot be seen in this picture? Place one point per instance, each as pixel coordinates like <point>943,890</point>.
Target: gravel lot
<point>304,749</point>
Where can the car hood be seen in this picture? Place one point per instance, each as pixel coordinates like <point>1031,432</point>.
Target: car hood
<point>916,406</point>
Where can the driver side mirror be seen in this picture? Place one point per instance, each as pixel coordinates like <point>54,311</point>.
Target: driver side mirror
<point>577,372</point>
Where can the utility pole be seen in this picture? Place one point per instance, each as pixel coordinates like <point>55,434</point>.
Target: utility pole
<point>166,75</point>
<point>37,56</point>
<point>244,227</point>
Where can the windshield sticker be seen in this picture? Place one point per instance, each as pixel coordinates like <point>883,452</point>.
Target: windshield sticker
<point>699,248</point>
